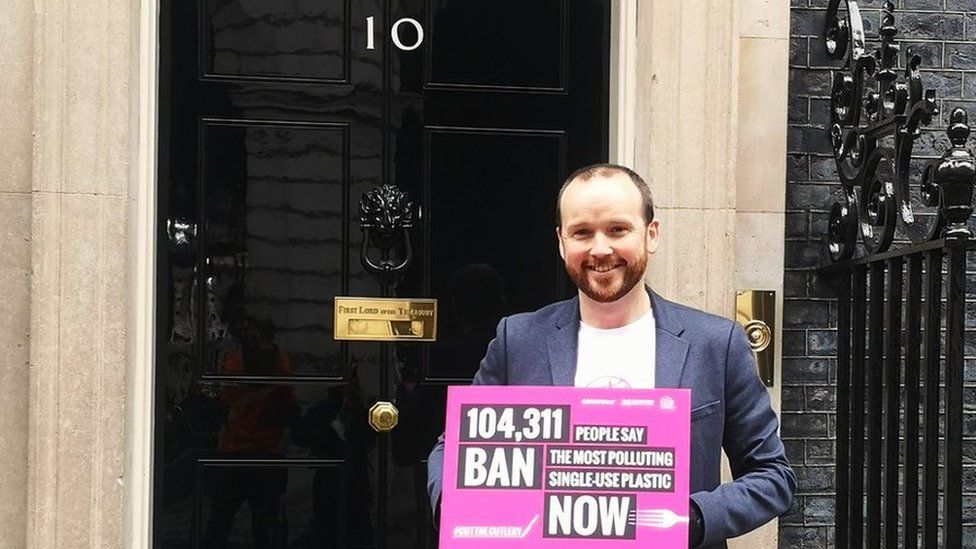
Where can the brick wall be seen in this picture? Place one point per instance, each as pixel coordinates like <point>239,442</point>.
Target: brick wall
<point>943,32</point>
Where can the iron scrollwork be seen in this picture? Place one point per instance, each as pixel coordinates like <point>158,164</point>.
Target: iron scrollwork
<point>385,217</point>
<point>872,133</point>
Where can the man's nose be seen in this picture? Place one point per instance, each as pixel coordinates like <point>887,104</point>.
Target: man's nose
<point>601,245</point>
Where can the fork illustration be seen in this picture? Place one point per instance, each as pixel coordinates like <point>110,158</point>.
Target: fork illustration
<point>656,518</point>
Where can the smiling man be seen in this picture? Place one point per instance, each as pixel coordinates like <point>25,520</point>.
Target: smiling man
<point>619,333</point>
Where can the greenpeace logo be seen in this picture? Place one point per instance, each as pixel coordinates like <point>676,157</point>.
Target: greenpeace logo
<point>599,402</point>
<point>494,532</point>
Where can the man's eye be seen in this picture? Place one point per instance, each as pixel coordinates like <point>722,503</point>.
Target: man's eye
<point>579,233</point>
<point>618,230</point>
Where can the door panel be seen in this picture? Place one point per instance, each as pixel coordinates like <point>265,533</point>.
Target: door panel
<point>275,118</point>
<point>483,227</point>
<point>474,43</point>
<point>276,40</point>
<point>275,206</point>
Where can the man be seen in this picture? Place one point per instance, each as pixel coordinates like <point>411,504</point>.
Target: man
<point>619,333</point>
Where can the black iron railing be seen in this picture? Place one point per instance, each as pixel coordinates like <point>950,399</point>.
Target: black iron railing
<point>896,376</point>
<point>901,313</point>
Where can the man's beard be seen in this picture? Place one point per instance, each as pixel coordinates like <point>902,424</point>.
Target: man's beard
<point>633,274</point>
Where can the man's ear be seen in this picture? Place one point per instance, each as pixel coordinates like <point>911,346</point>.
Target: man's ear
<point>559,242</point>
<point>651,236</point>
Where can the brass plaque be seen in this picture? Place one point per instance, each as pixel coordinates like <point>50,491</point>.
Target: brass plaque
<point>385,319</point>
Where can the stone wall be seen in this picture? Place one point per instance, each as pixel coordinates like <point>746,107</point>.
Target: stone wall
<point>15,266</point>
<point>709,135</point>
<point>74,152</point>
<point>943,32</point>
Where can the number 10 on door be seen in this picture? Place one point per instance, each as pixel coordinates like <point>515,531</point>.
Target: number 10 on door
<point>395,33</point>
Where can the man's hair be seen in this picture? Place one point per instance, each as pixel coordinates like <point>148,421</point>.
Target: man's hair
<point>606,170</point>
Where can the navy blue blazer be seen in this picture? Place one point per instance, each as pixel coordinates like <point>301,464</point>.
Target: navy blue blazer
<point>730,408</point>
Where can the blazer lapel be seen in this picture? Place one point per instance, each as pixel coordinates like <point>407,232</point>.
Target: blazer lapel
<point>671,351</point>
<point>563,343</point>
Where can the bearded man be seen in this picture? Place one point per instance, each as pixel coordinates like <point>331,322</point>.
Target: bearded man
<point>618,333</point>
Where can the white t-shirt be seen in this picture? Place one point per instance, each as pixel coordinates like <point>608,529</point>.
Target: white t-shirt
<point>617,357</point>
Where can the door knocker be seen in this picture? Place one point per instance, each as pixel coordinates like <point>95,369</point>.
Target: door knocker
<point>385,215</point>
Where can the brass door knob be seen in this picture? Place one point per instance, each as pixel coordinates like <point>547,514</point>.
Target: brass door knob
<point>383,416</point>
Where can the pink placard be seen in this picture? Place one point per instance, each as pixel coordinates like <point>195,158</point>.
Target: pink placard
<point>565,467</point>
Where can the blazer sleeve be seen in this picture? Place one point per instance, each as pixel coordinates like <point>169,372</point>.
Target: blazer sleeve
<point>763,483</point>
<point>492,371</point>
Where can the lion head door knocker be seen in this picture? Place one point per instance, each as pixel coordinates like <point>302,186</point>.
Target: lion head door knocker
<point>385,217</point>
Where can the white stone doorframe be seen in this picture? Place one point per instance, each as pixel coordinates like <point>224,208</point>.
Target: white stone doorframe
<point>140,410</point>
<point>623,81</point>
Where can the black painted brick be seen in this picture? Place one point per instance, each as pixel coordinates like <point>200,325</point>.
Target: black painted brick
<point>795,513</point>
<point>799,52</point>
<point>820,398</point>
<point>807,313</point>
<point>935,5</point>
<point>811,196</point>
<point>935,26</point>
<point>931,144</point>
<point>797,167</point>
<point>821,451</point>
<point>930,52</point>
<point>969,85</point>
<point>820,286</point>
<point>819,112</point>
<point>793,397</point>
<point>807,22</point>
<point>872,21</point>
<point>798,109</point>
<point>822,343</point>
<point>794,343</point>
<point>807,139</point>
<point>823,168</point>
<point>815,479</point>
<point>795,449</point>
<point>818,224</point>
<point>969,371</point>
<point>960,56</point>
<point>803,254</point>
<point>819,509</point>
<point>809,82</point>
<point>804,371</point>
<point>943,34</point>
<point>960,5</point>
<point>797,225</point>
<point>795,284</point>
<point>947,85</point>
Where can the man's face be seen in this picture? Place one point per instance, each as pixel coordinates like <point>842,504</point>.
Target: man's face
<point>603,238</point>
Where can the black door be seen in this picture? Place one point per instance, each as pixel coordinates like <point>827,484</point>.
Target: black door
<point>275,117</point>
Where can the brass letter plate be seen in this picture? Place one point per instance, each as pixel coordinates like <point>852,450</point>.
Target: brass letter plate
<point>385,319</point>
